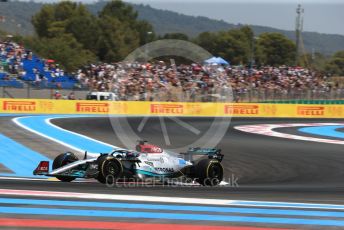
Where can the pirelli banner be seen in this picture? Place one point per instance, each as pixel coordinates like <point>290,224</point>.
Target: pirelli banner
<point>31,106</point>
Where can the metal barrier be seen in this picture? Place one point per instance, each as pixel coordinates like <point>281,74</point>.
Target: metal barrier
<point>264,95</point>
<point>180,95</point>
<point>29,91</point>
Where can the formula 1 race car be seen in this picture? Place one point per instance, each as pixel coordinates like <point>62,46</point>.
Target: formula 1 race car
<point>148,161</point>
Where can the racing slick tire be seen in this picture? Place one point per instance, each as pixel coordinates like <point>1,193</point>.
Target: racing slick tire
<point>110,169</point>
<point>62,160</point>
<point>209,172</point>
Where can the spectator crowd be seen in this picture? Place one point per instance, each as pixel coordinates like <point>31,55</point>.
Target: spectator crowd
<point>195,82</point>
<point>163,81</point>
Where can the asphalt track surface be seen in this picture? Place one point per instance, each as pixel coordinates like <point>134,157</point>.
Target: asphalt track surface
<point>265,168</point>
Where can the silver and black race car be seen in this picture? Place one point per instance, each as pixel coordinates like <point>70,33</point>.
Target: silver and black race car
<point>147,161</point>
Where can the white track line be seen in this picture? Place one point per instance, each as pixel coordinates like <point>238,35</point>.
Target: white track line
<point>48,122</point>
<point>170,200</point>
<point>112,197</point>
<point>24,178</point>
<point>268,130</point>
<point>17,122</point>
<point>45,179</point>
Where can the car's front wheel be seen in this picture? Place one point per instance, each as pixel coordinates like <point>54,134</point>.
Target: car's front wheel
<point>110,169</point>
<point>62,160</point>
<point>209,172</point>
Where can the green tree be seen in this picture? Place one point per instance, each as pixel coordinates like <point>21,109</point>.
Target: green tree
<point>146,32</point>
<point>335,65</point>
<point>126,14</point>
<point>208,41</point>
<point>42,20</point>
<point>275,49</point>
<point>2,35</point>
<point>237,47</point>
<point>52,15</point>
<point>64,18</point>
<point>66,32</point>
<point>233,45</point>
<point>116,40</point>
<point>179,36</point>
<point>64,49</point>
<point>315,61</point>
<point>85,29</point>
<point>120,10</point>
<point>120,31</point>
<point>111,35</point>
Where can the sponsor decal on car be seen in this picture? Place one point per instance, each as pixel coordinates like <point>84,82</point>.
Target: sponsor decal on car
<point>154,159</point>
<point>160,159</point>
<point>149,163</point>
<point>165,170</point>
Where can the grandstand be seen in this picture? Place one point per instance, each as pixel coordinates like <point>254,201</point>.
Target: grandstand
<point>20,67</point>
<point>46,76</point>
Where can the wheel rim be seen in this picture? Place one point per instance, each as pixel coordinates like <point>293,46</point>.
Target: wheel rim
<point>215,171</point>
<point>112,168</point>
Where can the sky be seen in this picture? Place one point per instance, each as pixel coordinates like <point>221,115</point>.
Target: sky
<point>319,15</point>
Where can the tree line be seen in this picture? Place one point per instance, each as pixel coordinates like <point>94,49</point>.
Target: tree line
<point>69,33</point>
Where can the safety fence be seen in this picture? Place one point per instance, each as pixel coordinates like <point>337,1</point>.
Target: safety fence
<point>223,94</point>
<point>310,102</point>
<point>261,95</point>
<point>41,106</point>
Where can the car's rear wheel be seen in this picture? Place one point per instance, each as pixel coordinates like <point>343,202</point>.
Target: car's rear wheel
<point>62,160</point>
<point>110,169</point>
<point>209,172</point>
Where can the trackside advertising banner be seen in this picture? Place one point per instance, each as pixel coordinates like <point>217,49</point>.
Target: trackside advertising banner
<point>36,106</point>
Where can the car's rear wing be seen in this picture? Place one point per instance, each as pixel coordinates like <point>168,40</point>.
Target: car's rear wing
<point>212,153</point>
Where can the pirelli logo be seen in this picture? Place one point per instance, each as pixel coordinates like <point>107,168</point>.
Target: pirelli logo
<point>87,107</point>
<point>241,109</point>
<point>167,109</point>
<point>19,106</point>
<point>311,110</point>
